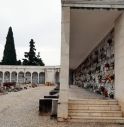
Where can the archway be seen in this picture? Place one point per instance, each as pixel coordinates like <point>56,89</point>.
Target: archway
<point>57,77</point>
<point>35,77</point>
<point>7,76</point>
<point>14,77</point>
<point>1,76</point>
<point>27,77</point>
<point>42,78</point>
<point>21,77</point>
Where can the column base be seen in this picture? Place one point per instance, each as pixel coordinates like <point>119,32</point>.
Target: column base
<point>62,111</point>
<point>63,105</point>
<point>62,119</point>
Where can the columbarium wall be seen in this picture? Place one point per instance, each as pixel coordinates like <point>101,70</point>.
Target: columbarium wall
<point>96,73</point>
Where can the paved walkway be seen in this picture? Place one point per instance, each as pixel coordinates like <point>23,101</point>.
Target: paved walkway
<point>80,93</point>
<point>20,109</point>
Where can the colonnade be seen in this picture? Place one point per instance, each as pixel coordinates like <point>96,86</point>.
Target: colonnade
<point>21,77</point>
<point>29,74</point>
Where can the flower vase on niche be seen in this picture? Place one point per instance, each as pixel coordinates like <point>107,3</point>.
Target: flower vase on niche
<point>111,94</point>
<point>106,67</point>
<point>105,93</point>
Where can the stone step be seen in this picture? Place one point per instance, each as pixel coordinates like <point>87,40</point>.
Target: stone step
<point>95,110</point>
<point>93,101</point>
<point>95,107</point>
<point>82,111</point>
<point>118,120</point>
<point>96,114</point>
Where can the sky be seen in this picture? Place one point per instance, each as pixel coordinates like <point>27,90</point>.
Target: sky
<point>32,19</point>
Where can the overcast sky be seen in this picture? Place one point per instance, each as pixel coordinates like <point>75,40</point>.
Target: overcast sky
<point>36,19</point>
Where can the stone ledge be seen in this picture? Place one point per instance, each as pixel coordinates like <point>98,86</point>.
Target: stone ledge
<point>117,2</point>
<point>94,3</point>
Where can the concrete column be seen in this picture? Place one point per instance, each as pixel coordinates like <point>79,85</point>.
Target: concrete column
<point>31,78</point>
<point>10,76</point>
<point>45,70</point>
<point>17,77</point>
<point>44,77</point>
<point>38,78</point>
<point>54,78</point>
<point>24,77</point>
<point>3,77</point>
<point>64,75</point>
<point>119,60</point>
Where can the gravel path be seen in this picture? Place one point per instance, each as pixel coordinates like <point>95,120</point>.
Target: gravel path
<point>20,109</point>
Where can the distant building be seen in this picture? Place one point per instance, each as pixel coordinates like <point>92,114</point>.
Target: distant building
<point>29,74</point>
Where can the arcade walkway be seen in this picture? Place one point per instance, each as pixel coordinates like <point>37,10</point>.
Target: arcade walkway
<point>80,93</point>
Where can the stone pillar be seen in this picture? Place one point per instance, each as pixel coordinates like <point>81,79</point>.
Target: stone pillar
<point>24,77</point>
<point>10,76</point>
<point>3,77</point>
<point>17,77</point>
<point>38,78</point>
<point>31,77</point>
<point>44,77</point>
<point>119,60</point>
<point>64,74</point>
<point>45,70</point>
<point>53,80</point>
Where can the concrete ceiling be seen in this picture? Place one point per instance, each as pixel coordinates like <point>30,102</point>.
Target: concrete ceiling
<point>87,29</point>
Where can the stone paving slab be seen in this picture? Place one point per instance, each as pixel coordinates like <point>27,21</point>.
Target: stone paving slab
<point>80,93</point>
<point>20,109</point>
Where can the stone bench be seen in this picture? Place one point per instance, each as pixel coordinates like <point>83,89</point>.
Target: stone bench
<point>48,106</point>
<point>51,96</point>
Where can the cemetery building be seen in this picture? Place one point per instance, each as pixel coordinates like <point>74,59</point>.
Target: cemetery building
<point>92,57</point>
<point>29,74</point>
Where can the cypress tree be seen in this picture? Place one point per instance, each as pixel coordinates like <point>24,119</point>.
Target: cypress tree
<point>32,53</point>
<point>9,54</point>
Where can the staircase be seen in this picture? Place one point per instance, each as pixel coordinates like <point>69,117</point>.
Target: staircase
<point>95,110</point>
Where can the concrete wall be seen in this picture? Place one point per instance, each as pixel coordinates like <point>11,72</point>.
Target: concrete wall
<point>50,75</point>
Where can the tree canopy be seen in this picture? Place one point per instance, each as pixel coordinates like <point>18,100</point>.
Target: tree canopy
<point>30,57</point>
<point>9,54</point>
